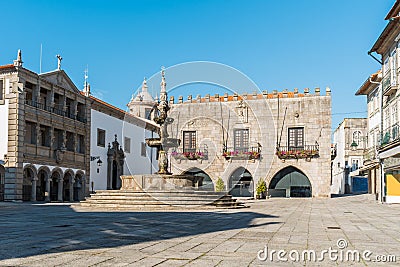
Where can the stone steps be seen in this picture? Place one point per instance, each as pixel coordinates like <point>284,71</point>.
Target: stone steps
<point>119,199</point>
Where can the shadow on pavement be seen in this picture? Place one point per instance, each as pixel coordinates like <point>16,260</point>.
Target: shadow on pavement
<point>28,230</point>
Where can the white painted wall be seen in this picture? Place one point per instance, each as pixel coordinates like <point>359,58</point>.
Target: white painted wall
<point>4,123</point>
<point>337,186</point>
<point>134,162</point>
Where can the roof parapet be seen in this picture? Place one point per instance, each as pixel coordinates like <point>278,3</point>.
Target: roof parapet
<point>253,96</point>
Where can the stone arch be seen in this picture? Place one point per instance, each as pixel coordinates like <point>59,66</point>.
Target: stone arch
<point>204,181</point>
<point>29,183</point>
<point>68,181</point>
<point>2,181</point>
<point>241,183</point>
<point>42,189</point>
<point>56,184</point>
<point>290,182</point>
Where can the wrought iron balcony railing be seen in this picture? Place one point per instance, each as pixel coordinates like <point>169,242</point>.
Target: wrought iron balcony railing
<point>54,110</point>
<point>242,153</point>
<point>390,134</point>
<point>190,153</point>
<point>302,152</point>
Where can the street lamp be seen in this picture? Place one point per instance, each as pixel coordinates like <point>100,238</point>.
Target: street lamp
<point>354,146</point>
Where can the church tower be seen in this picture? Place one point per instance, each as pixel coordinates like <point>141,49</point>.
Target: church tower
<point>142,104</point>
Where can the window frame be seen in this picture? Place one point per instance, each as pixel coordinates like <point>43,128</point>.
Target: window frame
<point>101,137</point>
<point>189,141</point>
<point>143,149</point>
<point>241,139</point>
<point>295,141</point>
<point>127,144</point>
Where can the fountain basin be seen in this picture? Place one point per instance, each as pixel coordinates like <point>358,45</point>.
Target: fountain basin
<point>146,182</point>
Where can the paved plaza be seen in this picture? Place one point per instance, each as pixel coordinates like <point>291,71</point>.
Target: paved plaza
<point>57,235</point>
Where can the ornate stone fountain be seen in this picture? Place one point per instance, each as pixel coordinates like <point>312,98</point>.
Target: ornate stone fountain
<point>163,189</point>
<point>163,179</point>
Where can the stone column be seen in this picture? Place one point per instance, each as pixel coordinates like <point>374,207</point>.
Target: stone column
<point>60,189</point>
<point>34,182</point>
<point>83,187</point>
<point>71,189</point>
<point>47,193</point>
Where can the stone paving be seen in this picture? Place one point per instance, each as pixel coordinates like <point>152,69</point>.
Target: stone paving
<point>56,235</point>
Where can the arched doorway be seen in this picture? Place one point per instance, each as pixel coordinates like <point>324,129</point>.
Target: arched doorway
<point>204,180</point>
<point>41,185</point>
<point>241,183</point>
<point>114,183</point>
<point>67,181</point>
<point>55,178</point>
<point>115,165</point>
<point>290,182</point>
<point>27,184</point>
<point>2,182</point>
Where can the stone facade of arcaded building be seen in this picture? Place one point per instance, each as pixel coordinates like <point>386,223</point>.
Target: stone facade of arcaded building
<point>282,138</point>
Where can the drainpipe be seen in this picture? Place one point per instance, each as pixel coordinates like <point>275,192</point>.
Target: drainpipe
<point>381,164</point>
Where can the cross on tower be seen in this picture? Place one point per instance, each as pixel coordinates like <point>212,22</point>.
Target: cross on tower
<point>59,61</point>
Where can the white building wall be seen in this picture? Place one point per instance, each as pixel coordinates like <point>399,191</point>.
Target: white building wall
<point>135,163</point>
<point>338,164</point>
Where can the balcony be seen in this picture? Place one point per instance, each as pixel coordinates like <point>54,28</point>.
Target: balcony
<point>190,154</point>
<point>390,134</point>
<point>389,84</point>
<point>249,153</point>
<point>304,152</point>
<point>57,111</point>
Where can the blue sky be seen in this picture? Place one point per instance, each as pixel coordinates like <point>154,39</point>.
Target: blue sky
<point>278,44</point>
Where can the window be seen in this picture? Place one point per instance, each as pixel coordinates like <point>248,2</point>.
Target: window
<point>241,139</point>
<point>143,150</point>
<point>189,141</point>
<point>80,144</point>
<point>127,145</point>
<point>45,135</point>
<point>296,137</point>
<point>354,164</point>
<point>357,137</point>
<point>59,139</point>
<point>101,137</point>
<point>30,136</point>
<point>70,141</point>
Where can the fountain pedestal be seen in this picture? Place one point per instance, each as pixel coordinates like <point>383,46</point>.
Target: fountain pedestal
<point>149,182</point>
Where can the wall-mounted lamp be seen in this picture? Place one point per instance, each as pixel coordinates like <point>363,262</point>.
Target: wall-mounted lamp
<point>99,162</point>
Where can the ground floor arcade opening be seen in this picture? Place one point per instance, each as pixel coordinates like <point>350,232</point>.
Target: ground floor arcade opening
<point>204,180</point>
<point>241,183</point>
<point>290,182</point>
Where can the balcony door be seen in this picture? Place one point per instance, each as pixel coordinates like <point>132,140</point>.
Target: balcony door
<point>296,138</point>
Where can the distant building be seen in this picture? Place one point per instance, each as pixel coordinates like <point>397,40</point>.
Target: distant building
<point>350,141</point>
<point>281,138</point>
